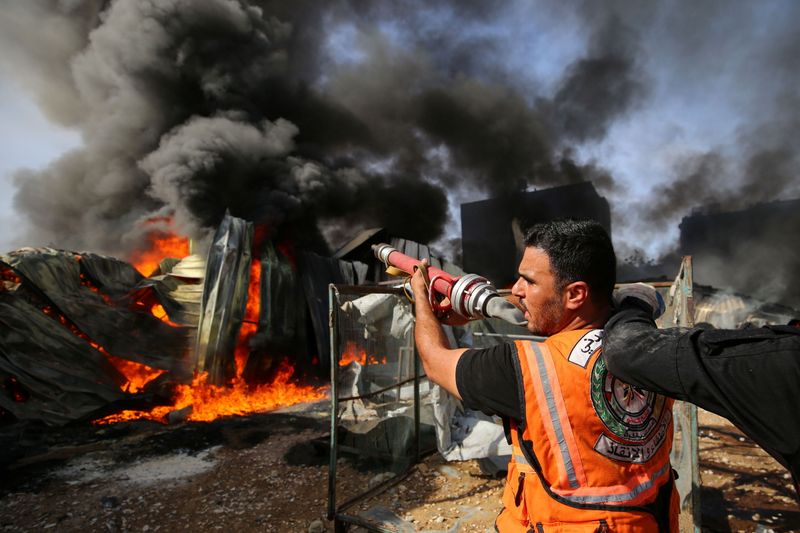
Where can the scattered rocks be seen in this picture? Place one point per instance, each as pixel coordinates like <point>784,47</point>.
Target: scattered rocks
<point>449,471</point>
<point>109,502</point>
<point>380,478</point>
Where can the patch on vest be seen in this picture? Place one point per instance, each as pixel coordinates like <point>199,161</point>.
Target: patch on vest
<point>585,348</point>
<point>637,419</point>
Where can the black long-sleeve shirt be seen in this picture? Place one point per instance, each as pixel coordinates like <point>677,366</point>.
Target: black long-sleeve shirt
<point>750,376</point>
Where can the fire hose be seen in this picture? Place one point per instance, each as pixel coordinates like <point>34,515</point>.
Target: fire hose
<point>470,296</point>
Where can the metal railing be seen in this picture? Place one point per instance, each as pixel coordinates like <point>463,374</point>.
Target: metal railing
<point>375,397</point>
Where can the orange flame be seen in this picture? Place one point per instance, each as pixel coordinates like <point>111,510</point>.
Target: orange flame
<point>251,314</point>
<point>137,374</point>
<point>160,313</point>
<point>6,274</point>
<point>350,356</point>
<point>209,402</point>
<point>162,245</point>
<point>89,285</point>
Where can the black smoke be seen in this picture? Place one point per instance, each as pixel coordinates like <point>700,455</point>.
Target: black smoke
<point>747,54</point>
<point>193,108</point>
<point>744,54</point>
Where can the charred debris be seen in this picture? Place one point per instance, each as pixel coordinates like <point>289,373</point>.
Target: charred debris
<point>83,336</point>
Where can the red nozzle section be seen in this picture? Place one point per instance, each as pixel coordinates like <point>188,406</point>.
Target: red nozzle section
<point>470,295</point>
<point>442,281</point>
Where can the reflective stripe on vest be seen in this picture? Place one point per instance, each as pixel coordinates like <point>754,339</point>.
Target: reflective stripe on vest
<point>520,459</point>
<point>553,414</point>
<point>554,405</point>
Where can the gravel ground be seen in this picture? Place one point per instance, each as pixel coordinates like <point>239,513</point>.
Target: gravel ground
<point>269,472</point>
<point>743,488</point>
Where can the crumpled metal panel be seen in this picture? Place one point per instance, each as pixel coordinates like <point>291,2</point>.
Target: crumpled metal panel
<point>56,277</point>
<point>317,273</point>
<point>680,312</point>
<point>61,377</point>
<point>115,277</point>
<point>280,305</point>
<point>224,299</point>
<point>191,267</point>
<point>179,291</point>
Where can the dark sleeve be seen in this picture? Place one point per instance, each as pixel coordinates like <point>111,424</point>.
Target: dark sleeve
<point>487,381</point>
<point>733,373</point>
<point>639,353</point>
<point>748,376</point>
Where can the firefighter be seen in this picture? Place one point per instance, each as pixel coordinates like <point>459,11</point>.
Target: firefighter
<point>590,452</point>
<point>749,376</point>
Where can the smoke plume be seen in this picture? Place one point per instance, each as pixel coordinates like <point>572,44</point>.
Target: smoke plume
<point>323,118</point>
<point>298,115</point>
<point>757,73</point>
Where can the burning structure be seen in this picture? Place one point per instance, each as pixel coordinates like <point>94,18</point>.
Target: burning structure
<point>87,335</point>
<point>227,105</point>
<point>74,343</point>
<point>194,340</point>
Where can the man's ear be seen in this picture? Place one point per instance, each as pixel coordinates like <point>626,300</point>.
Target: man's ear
<point>576,294</point>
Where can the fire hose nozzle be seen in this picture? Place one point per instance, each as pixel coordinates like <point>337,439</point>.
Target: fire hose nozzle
<point>382,252</point>
<point>471,296</point>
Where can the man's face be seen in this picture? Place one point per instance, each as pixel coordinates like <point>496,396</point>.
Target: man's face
<point>536,288</point>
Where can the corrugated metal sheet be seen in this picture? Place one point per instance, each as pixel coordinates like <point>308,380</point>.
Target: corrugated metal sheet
<point>317,273</point>
<point>224,299</point>
<point>189,274</point>
<point>721,310</point>
<point>56,276</point>
<point>63,377</point>
<point>59,374</point>
<point>192,267</point>
<point>362,238</point>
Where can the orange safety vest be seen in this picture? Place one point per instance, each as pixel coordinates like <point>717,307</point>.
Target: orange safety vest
<point>592,452</point>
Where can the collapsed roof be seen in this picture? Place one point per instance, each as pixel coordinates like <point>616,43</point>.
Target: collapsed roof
<point>67,319</point>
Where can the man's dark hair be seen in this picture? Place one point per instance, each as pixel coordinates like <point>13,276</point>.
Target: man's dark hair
<point>579,250</point>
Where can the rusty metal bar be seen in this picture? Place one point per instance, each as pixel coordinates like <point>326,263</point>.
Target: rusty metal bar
<point>376,392</point>
<point>334,338</point>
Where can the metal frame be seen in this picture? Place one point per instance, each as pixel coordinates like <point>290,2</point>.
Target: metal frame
<point>336,512</point>
<point>680,313</point>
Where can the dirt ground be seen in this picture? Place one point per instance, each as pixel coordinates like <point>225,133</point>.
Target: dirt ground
<point>269,472</point>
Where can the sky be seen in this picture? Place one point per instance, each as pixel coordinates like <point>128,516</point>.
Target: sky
<point>667,107</point>
<point>27,140</point>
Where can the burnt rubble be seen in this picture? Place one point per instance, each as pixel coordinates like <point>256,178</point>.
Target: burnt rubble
<point>63,316</point>
<point>72,325</point>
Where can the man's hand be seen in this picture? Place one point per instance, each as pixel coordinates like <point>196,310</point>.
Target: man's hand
<point>420,285</point>
<point>438,358</point>
<point>644,293</point>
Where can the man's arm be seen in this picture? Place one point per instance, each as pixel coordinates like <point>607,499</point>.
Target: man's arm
<point>438,359</point>
<point>748,376</point>
<point>639,353</point>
